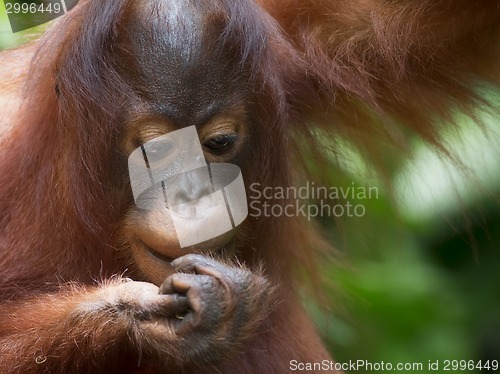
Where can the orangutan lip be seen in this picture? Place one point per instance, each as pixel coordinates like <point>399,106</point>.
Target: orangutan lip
<point>157,255</point>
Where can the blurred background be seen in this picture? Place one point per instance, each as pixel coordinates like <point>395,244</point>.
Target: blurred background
<point>418,276</point>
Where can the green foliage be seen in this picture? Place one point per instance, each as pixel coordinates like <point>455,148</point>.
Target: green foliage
<point>8,39</point>
<point>421,282</point>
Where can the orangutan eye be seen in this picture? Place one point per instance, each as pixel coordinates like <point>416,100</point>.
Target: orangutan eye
<point>157,150</point>
<point>221,143</point>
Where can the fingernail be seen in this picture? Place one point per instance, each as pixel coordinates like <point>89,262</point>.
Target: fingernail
<point>176,262</point>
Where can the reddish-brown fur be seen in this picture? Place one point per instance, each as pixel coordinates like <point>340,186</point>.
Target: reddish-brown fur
<point>346,66</point>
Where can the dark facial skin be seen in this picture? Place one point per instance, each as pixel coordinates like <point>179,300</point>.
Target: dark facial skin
<point>179,82</point>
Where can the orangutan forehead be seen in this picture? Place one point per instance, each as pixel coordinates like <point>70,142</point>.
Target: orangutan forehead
<point>177,34</point>
<point>175,61</point>
<point>172,28</point>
